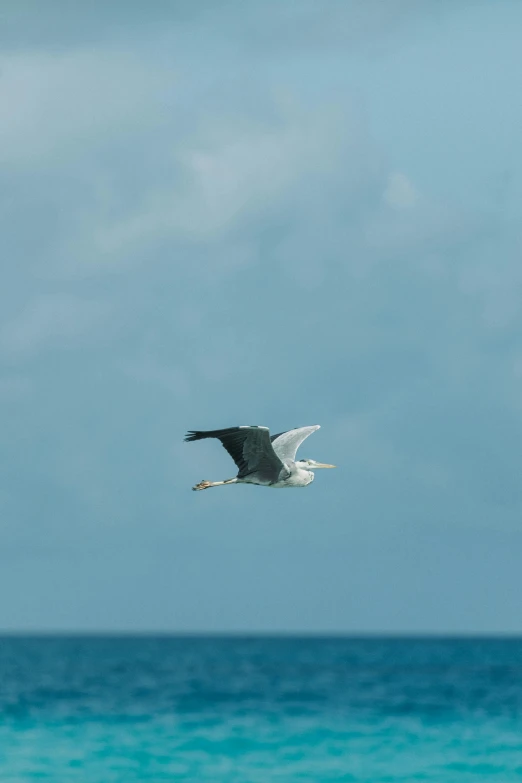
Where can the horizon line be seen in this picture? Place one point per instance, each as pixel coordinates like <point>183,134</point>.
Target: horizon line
<point>242,634</point>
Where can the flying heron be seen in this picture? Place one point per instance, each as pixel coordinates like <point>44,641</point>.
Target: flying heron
<point>261,458</point>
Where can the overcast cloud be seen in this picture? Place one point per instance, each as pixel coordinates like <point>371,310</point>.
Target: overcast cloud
<point>281,214</point>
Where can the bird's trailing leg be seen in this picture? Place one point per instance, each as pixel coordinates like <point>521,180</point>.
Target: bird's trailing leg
<point>208,484</point>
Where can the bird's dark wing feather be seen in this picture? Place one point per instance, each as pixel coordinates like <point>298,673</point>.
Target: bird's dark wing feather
<point>250,448</point>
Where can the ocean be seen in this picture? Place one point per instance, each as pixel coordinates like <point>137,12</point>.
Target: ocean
<point>260,709</point>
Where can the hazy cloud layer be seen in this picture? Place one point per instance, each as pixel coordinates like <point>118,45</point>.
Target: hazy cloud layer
<point>284,215</point>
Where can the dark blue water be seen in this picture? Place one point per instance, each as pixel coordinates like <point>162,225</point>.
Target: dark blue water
<point>260,709</point>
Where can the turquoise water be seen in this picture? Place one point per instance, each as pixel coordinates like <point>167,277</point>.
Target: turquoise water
<point>254,710</point>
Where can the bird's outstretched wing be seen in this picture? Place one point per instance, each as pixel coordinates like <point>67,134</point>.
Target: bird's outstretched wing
<point>285,444</point>
<point>249,447</point>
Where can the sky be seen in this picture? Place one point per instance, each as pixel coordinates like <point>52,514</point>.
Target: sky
<point>278,213</point>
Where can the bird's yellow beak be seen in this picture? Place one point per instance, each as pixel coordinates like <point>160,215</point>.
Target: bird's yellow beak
<point>323,465</point>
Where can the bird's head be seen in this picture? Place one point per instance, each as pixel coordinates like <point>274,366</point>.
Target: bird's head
<point>311,464</point>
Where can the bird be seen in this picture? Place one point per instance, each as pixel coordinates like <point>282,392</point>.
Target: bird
<point>261,458</point>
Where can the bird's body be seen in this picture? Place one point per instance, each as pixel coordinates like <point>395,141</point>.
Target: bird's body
<point>269,461</point>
